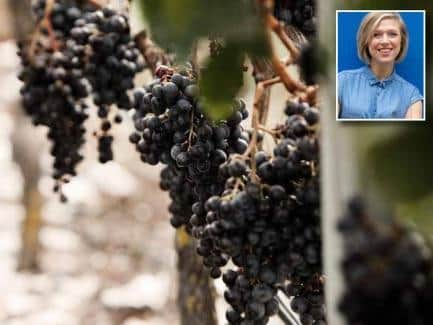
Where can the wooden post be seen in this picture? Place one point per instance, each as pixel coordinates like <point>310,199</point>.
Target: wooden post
<point>196,295</point>
<point>339,166</point>
<point>25,153</point>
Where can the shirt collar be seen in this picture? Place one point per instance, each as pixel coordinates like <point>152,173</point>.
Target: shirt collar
<point>372,77</point>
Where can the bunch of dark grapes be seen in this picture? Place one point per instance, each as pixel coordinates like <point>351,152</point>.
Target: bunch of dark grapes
<point>114,60</point>
<point>388,270</point>
<point>308,299</point>
<point>301,14</point>
<point>62,14</point>
<point>111,60</point>
<point>62,65</point>
<point>181,192</point>
<point>171,128</point>
<point>55,87</point>
<point>268,223</point>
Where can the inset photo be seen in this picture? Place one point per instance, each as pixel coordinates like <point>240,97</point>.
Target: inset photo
<point>380,65</point>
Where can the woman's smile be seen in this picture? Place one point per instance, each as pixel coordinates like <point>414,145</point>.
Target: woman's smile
<point>385,52</point>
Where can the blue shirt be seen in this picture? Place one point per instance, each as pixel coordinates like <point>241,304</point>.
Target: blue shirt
<point>362,95</point>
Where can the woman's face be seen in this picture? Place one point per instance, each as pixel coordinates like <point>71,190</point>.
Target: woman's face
<point>385,42</point>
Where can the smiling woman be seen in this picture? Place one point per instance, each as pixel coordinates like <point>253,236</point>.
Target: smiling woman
<point>376,91</point>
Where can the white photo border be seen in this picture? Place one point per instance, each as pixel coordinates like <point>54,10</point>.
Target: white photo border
<point>423,119</point>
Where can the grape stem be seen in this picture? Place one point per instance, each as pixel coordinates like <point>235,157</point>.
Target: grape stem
<point>263,70</point>
<point>238,185</point>
<point>263,98</point>
<point>191,130</point>
<point>273,133</point>
<point>252,146</point>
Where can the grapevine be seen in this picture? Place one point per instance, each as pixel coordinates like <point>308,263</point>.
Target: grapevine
<point>254,212</point>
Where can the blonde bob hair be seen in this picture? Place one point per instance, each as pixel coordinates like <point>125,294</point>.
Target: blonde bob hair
<point>369,25</point>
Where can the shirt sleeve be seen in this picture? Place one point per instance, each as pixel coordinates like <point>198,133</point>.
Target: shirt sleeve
<point>341,80</point>
<point>415,96</point>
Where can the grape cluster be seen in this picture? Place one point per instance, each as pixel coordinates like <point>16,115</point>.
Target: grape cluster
<point>63,65</point>
<point>110,68</point>
<point>62,15</point>
<point>171,128</point>
<point>54,90</point>
<point>308,299</point>
<point>388,270</point>
<point>114,59</point>
<point>298,13</point>
<point>268,223</point>
<point>181,193</point>
<point>253,302</point>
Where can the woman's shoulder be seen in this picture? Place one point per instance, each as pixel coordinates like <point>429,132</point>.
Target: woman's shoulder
<point>407,89</point>
<point>404,83</point>
<point>349,74</point>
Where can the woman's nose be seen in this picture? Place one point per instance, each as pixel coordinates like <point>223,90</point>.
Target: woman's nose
<point>384,38</point>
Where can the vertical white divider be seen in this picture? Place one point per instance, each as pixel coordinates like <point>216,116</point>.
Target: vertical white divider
<point>338,167</point>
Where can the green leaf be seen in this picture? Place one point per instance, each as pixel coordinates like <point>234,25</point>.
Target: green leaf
<point>221,80</point>
<point>218,111</point>
<point>418,212</point>
<point>402,164</point>
<point>170,23</point>
<point>177,24</point>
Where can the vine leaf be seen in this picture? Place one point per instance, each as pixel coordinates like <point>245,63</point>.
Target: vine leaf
<point>419,212</point>
<point>175,25</point>
<point>402,164</point>
<point>218,96</point>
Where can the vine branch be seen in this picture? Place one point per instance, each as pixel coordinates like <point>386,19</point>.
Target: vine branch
<point>255,122</point>
<point>153,55</point>
<point>307,94</point>
<point>263,70</point>
<point>279,30</point>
